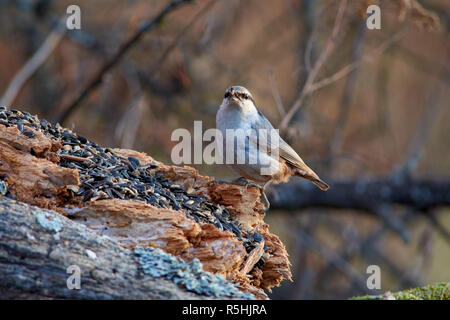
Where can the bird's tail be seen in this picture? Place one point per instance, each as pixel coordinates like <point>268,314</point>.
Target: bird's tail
<point>307,173</point>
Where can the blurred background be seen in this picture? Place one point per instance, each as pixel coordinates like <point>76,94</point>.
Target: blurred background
<point>358,105</point>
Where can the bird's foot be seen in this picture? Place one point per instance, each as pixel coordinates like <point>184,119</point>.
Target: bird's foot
<point>266,202</point>
<point>219,181</point>
<point>244,182</point>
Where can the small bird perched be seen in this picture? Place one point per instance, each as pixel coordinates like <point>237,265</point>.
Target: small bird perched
<point>238,111</point>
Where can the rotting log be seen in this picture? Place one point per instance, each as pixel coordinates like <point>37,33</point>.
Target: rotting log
<point>138,201</point>
<point>37,246</point>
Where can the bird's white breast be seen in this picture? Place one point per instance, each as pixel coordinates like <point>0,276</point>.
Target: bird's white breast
<point>233,117</point>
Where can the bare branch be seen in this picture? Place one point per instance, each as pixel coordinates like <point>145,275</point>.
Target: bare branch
<point>311,86</point>
<point>420,137</point>
<point>365,195</point>
<point>370,196</point>
<point>329,47</point>
<point>332,257</point>
<point>276,93</point>
<point>127,45</point>
<point>336,141</point>
<point>183,32</point>
<point>352,66</point>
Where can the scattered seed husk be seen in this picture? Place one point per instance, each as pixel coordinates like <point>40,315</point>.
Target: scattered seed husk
<point>105,174</point>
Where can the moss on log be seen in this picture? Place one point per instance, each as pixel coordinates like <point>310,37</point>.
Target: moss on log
<point>436,291</point>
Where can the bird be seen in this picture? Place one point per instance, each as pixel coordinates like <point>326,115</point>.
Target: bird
<point>238,111</point>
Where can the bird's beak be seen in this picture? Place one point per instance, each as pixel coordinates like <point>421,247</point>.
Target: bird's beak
<point>233,96</point>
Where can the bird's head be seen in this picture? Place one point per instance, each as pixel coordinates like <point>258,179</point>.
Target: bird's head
<point>238,96</point>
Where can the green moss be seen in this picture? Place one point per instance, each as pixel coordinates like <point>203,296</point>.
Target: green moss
<point>436,291</point>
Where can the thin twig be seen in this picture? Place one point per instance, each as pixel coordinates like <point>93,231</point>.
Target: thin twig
<point>183,32</point>
<point>309,88</point>
<point>329,47</point>
<point>30,67</point>
<point>97,79</point>
<point>421,135</point>
<point>276,93</point>
<point>127,127</point>
<point>384,211</point>
<point>312,36</point>
<point>332,257</point>
<point>352,66</point>
<point>363,245</point>
<point>423,131</point>
<point>308,50</point>
<point>336,141</point>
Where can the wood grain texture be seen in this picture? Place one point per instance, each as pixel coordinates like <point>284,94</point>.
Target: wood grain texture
<point>37,246</point>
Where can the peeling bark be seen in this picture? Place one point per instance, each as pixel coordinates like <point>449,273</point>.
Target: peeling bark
<point>30,167</point>
<point>38,245</point>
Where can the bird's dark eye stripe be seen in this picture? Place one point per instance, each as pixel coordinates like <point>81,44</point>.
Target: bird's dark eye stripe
<point>240,95</point>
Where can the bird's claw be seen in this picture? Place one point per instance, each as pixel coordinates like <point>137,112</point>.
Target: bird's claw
<point>218,181</point>
<point>246,183</point>
<point>266,201</point>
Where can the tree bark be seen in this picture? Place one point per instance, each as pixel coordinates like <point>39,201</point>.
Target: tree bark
<point>37,246</point>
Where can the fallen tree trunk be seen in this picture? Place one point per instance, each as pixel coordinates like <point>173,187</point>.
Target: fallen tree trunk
<point>137,201</point>
<point>37,246</point>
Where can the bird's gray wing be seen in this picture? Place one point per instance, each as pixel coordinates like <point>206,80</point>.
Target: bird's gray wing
<point>285,150</point>
<point>286,153</point>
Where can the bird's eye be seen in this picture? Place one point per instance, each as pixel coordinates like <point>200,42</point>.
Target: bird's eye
<point>227,94</point>
<point>245,96</point>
